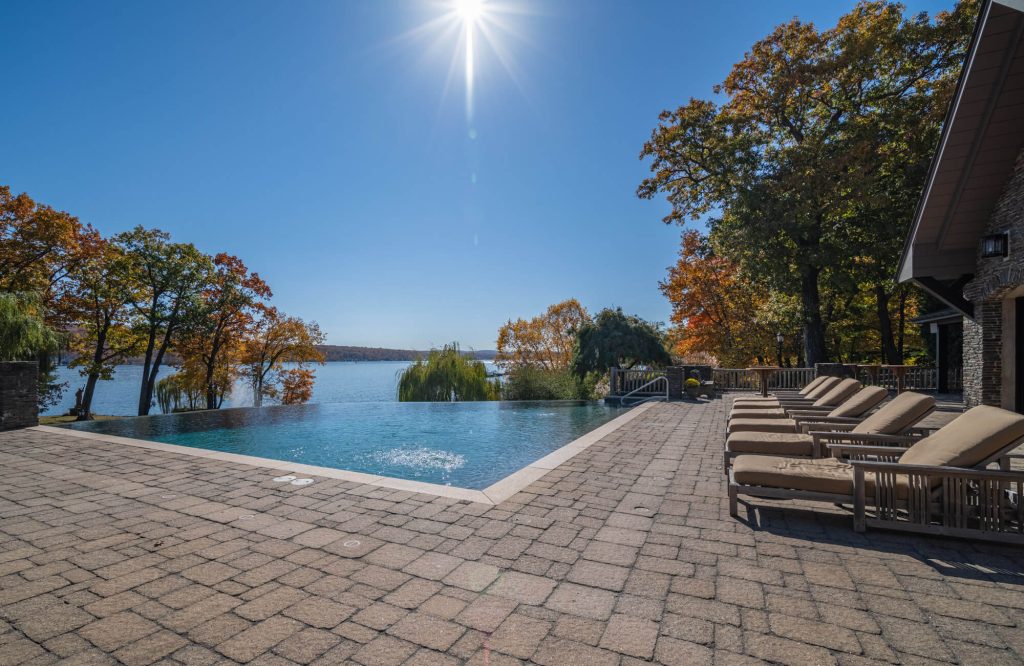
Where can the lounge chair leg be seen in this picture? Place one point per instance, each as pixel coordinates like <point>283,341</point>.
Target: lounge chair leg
<point>725,466</point>
<point>859,500</point>
<point>733,501</point>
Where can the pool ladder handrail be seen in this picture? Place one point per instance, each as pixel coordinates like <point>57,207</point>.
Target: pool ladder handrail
<point>647,398</point>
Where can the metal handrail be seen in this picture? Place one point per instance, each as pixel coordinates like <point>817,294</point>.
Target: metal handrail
<point>646,398</point>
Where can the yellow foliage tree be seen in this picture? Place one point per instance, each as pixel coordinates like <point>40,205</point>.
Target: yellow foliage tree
<point>546,340</point>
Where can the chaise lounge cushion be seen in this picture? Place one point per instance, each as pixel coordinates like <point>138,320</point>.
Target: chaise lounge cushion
<point>839,394</point>
<point>762,425</point>
<point>969,439</point>
<point>861,402</point>
<point>897,415</point>
<point>821,475</point>
<point>814,391</point>
<point>770,443</point>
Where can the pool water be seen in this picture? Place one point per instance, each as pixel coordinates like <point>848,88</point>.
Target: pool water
<point>464,444</point>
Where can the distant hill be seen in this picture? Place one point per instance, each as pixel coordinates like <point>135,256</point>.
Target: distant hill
<point>348,353</point>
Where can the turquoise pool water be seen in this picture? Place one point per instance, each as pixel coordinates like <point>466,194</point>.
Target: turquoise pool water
<point>466,444</point>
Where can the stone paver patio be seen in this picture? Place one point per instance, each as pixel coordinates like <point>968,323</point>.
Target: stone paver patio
<point>623,555</point>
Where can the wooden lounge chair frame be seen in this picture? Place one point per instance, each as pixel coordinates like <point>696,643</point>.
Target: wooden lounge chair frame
<point>945,501</point>
<point>836,429</point>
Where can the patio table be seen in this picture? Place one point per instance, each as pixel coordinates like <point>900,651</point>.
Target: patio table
<point>763,373</point>
<point>900,373</point>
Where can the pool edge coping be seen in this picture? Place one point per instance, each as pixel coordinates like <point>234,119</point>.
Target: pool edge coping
<point>494,494</point>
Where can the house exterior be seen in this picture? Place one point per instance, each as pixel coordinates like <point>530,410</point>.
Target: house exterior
<point>966,246</point>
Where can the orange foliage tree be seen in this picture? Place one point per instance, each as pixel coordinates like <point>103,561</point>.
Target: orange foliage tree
<point>714,309</point>
<point>213,338</point>
<point>276,339</point>
<point>546,340</point>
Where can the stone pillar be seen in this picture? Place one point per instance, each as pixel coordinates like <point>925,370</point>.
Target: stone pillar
<point>19,406</point>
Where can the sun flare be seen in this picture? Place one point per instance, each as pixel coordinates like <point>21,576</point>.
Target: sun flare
<point>470,11</point>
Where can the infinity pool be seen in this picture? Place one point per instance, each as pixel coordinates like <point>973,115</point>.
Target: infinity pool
<point>467,444</point>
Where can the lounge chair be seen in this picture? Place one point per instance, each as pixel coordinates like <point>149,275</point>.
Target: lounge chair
<point>893,423</point>
<point>939,485</point>
<point>852,410</point>
<point>833,398</point>
<point>814,390</point>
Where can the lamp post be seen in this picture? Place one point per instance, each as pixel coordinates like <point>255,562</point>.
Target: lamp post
<point>778,348</point>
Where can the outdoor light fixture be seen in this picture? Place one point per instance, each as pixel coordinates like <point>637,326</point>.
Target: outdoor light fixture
<point>995,245</point>
<point>779,338</point>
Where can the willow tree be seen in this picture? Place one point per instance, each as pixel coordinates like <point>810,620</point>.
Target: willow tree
<point>23,330</point>
<point>796,138</point>
<point>446,375</point>
<point>617,340</point>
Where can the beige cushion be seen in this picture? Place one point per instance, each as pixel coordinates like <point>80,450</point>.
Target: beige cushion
<point>822,475</point>
<point>838,394</point>
<point>823,388</point>
<point>763,413</point>
<point>770,443</point>
<point>813,384</point>
<point>897,415</point>
<point>969,439</point>
<point>861,402</point>
<point>762,425</point>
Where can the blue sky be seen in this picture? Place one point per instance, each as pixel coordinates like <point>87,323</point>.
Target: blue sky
<point>327,144</point>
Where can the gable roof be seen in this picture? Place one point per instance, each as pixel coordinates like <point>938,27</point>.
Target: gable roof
<point>981,138</point>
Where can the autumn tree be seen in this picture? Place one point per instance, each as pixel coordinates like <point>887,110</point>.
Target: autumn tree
<point>545,340</point>
<point>97,302</point>
<point>170,277</point>
<point>212,338</point>
<point>779,158</point>
<point>714,308</point>
<point>39,247</point>
<point>617,340</point>
<point>274,340</point>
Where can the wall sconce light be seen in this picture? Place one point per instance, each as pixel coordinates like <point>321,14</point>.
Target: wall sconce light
<point>995,245</point>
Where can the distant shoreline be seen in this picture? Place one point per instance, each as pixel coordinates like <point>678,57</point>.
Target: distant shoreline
<point>343,353</point>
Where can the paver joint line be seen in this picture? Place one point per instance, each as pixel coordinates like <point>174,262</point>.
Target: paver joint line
<point>617,550</point>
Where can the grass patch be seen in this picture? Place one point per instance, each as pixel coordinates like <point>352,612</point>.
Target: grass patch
<point>57,420</point>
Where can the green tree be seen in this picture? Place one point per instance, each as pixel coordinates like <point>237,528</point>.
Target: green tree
<point>23,331</point>
<point>796,139</point>
<point>446,375</point>
<point>170,277</point>
<point>97,302</point>
<point>617,340</point>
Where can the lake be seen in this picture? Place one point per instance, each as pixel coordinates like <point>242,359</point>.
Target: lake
<point>338,381</point>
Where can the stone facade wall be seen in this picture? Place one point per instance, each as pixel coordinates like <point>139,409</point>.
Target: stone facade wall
<point>994,279</point>
<point>18,395</point>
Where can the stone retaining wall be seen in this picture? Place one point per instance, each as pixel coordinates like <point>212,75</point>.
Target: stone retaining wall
<point>19,407</point>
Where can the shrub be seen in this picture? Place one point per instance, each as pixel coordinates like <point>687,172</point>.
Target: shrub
<point>530,382</point>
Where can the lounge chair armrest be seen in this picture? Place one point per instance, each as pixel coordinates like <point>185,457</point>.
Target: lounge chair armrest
<point>825,424</point>
<point>857,452</point>
<point>865,438</point>
<point>809,411</point>
<point>936,470</point>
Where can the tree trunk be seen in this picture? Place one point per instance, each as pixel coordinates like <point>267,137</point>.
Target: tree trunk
<point>146,390</point>
<point>90,383</point>
<point>814,328</point>
<point>890,354</point>
<point>90,387</point>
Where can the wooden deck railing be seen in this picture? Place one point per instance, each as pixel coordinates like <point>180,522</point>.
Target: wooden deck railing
<point>741,379</point>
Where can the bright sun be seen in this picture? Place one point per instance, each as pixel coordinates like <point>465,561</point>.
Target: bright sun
<point>469,10</point>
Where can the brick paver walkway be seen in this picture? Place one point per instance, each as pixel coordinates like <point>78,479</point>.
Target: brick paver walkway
<point>625,554</point>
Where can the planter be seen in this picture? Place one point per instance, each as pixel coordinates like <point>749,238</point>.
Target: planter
<point>693,391</point>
